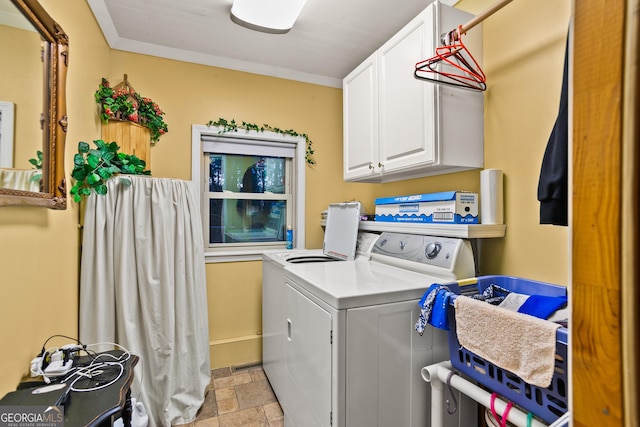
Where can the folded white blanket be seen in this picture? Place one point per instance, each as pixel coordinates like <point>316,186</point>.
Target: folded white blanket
<point>522,344</point>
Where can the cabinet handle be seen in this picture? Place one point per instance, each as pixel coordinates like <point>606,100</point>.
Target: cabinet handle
<point>380,165</point>
<point>289,330</point>
<point>370,165</point>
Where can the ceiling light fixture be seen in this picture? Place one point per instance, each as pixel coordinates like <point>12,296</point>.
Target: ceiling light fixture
<point>268,16</point>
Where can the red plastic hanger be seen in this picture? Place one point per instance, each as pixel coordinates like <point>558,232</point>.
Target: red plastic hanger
<point>453,65</point>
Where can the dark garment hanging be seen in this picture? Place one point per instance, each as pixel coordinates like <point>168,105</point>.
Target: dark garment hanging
<point>553,184</point>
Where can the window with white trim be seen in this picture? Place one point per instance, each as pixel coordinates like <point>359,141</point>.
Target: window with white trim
<point>251,187</point>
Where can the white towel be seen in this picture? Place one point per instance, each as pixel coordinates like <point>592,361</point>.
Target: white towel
<point>522,344</point>
<point>513,302</point>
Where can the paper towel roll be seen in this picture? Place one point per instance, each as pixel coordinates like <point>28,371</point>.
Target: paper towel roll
<point>491,197</point>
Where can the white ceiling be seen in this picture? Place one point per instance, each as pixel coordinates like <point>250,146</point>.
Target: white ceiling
<point>330,38</point>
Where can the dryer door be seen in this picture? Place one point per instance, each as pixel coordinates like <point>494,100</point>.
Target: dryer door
<point>308,361</point>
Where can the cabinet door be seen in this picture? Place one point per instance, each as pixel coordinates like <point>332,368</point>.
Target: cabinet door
<point>308,361</point>
<point>408,113</point>
<point>360,103</point>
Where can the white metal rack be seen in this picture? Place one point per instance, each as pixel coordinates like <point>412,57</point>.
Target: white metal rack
<point>437,375</point>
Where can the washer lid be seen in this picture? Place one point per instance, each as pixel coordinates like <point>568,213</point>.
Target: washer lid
<point>341,230</point>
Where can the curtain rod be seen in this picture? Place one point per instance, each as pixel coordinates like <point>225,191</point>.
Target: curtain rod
<point>479,18</point>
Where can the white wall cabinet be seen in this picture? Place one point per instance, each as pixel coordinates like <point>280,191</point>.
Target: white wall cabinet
<point>399,127</point>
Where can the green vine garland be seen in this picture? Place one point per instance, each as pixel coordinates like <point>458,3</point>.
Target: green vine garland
<point>232,126</point>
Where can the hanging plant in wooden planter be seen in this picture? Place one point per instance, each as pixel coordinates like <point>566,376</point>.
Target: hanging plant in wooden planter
<point>123,103</point>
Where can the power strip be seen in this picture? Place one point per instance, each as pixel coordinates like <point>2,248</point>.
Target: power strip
<point>58,368</point>
<point>59,361</point>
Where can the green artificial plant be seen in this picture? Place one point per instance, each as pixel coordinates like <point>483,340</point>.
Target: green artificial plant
<point>232,126</point>
<point>93,167</point>
<point>37,164</point>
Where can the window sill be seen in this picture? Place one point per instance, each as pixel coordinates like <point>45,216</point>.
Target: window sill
<point>237,256</point>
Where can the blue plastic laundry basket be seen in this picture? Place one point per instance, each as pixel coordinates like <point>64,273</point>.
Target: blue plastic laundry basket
<point>548,404</point>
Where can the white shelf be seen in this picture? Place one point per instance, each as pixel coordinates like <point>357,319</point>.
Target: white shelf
<point>463,231</point>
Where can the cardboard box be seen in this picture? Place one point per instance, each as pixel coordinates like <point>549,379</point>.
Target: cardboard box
<point>449,207</point>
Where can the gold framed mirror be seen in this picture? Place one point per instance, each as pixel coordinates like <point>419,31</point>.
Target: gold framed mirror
<point>49,117</point>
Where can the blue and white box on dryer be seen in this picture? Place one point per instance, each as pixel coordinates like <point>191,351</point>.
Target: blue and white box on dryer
<point>448,207</point>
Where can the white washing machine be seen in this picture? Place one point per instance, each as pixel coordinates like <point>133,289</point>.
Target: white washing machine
<point>341,241</point>
<point>346,353</point>
<point>274,327</point>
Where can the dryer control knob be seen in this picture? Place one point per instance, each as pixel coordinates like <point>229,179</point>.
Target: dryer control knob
<point>432,250</point>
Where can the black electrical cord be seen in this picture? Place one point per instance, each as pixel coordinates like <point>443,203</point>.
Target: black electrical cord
<point>44,346</point>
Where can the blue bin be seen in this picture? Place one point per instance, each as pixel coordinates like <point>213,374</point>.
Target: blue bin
<point>547,404</point>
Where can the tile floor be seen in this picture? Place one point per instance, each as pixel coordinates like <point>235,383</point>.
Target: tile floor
<point>240,398</point>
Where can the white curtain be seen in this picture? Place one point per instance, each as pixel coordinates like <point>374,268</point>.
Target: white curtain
<point>142,285</point>
<point>20,179</point>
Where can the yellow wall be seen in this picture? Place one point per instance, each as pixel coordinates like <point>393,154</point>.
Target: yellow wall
<point>39,250</point>
<point>16,85</point>
<point>39,247</point>
<point>524,47</point>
